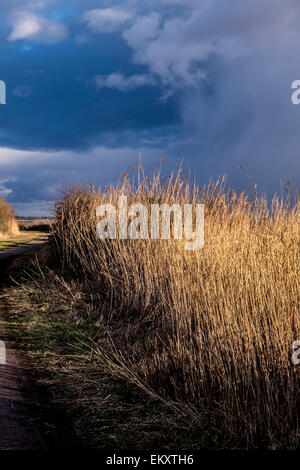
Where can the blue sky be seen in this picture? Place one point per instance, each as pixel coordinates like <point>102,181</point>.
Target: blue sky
<point>92,83</point>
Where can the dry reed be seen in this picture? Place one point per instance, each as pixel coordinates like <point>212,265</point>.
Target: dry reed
<point>208,331</point>
<point>8,223</point>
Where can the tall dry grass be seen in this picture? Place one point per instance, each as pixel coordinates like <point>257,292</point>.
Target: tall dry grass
<point>8,223</point>
<point>210,332</point>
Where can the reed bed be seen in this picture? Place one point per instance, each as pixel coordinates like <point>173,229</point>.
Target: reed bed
<point>208,332</point>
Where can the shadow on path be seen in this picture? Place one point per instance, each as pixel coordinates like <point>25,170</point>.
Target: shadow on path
<point>27,422</point>
<point>17,403</point>
<point>23,249</point>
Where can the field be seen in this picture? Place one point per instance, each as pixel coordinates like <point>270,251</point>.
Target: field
<point>143,344</point>
<point>18,240</point>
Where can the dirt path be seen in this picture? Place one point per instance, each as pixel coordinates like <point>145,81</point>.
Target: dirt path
<point>18,407</point>
<point>21,250</point>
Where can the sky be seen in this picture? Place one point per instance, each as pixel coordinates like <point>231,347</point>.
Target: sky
<point>91,83</point>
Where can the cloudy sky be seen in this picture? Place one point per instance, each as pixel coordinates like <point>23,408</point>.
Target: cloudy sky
<point>90,83</point>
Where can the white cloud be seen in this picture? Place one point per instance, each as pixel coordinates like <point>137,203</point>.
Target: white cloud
<point>40,176</point>
<point>26,25</point>
<point>106,20</point>
<point>176,46</point>
<point>144,28</point>
<point>81,39</point>
<point>22,91</point>
<point>4,191</point>
<point>122,83</point>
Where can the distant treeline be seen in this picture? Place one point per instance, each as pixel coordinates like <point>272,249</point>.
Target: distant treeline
<point>34,218</point>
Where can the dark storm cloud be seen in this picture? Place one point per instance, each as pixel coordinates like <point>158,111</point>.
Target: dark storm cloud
<point>65,108</point>
<point>204,80</point>
<point>233,63</point>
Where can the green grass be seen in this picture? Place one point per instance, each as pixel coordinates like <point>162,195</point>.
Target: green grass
<point>22,239</point>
